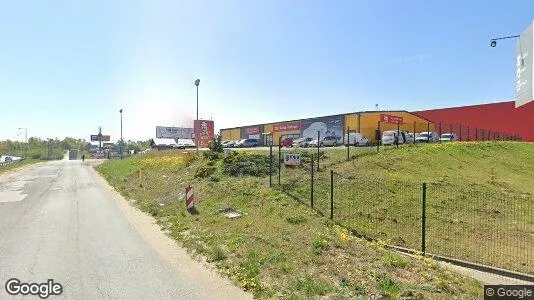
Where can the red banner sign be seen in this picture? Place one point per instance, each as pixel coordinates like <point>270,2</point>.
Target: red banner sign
<point>204,132</point>
<point>252,130</point>
<point>391,119</point>
<point>286,126</point>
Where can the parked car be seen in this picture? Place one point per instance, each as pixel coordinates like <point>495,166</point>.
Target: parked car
<point>356,139</point>
<point>448,137</point>
<point>392,137</point>
<point>227,144</point>
<point>247,143</point>
<point>302,142</point>
<point>327,141</point>
<point>408,137</point>
<point>287,142</point>
<point>427,137</point>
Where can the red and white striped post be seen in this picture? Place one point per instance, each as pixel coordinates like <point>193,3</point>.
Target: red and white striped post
<point>189,197</point>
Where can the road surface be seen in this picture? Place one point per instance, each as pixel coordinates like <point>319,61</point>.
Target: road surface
<point>61,221</point>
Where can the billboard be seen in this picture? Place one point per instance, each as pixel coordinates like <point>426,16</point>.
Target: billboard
<point>204,132</point>
<point>174,132</point>
<point>391,119</point>
<point>253,132</point>
<point>288,126</point>
<point>524,92</point>
<point>327,126</point>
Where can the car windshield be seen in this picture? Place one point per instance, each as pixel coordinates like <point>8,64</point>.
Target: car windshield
<point>423,135</point>
<point>446,136</point>
<point>388,134</point>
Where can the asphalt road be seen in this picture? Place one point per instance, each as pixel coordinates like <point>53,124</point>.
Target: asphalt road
<point>59,221</point>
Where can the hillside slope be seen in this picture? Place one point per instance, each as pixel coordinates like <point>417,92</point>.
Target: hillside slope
<point>282,248</point>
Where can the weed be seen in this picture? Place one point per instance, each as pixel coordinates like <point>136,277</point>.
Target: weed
<point>217,254</point>
<point>388,287</point>
<point>311,287</point>
<point>296,219</point>
<point>319,246</point>
<point>395,260</point>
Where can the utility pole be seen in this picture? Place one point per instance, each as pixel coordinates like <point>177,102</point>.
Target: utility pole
<point>100,138</point>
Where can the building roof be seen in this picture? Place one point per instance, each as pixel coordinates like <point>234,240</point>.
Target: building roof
<point>162,142</point>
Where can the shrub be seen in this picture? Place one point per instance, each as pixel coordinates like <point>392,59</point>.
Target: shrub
<point>204,171</point>
<point>240,163</point>
<point>319,246</point>
<point>216,145</point>
<point>211,155</point>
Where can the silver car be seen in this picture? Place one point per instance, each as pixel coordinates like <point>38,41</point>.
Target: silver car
<point>247,143</point>
<point>327,141</point>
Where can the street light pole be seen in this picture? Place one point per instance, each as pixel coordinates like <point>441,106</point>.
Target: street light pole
<point>122,141</point>
<point>197,82</point>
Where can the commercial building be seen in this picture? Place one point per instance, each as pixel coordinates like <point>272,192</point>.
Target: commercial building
<point>367,123</point>
<point>497,118</point>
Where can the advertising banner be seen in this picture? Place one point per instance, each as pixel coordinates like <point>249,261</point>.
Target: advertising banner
<point>94,137</point>
<point>327,126</point>
<point>252,130</point>
<point>391,119</point>
<point>174,132</point>
<point>524,67</point>
<point>289,126</point>
<point>106,138</point>
<point>204,132</point>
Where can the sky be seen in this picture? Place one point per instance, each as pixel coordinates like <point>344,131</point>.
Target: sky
<point>67,67</point>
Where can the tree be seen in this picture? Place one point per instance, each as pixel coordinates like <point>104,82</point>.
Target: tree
<point>216,145</point>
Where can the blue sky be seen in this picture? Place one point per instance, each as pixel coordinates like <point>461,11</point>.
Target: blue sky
<point>67,67</point>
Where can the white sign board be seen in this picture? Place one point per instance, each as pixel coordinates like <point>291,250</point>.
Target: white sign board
<point>524,67</point>
<point>291,159</point>
<point>269,140</point>
<point>163,132</point>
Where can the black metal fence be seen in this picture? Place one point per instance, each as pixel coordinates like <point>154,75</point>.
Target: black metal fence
<point>480,223</point>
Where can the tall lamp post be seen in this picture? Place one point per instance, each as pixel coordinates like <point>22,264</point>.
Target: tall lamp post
<point>122,141</point>
<point>25,140</point>
<point>197,82</point>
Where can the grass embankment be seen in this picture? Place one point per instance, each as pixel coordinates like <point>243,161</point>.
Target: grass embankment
<point>480,199</point>
<point>16,165</point>
<point>278,248</point>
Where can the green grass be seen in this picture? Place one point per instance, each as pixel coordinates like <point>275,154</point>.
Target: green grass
<point>480,198</point>
<point>279,248</point>
<point>18,165</point>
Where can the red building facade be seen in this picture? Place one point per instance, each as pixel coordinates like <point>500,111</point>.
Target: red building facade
<point>495,118</point>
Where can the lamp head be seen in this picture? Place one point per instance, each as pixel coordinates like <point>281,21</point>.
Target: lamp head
<point>493,43</point>
<point>197,82</point>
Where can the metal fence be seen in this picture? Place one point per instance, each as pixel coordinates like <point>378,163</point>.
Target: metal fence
<point>480,223</point>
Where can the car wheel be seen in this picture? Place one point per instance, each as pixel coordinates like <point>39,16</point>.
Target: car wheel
<point>334,145</point>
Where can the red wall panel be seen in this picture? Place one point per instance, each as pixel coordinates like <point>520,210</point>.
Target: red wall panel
<point>500,117</point>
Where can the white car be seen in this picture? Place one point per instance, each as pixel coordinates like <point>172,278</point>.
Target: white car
<point>448,137</point>
<point>356,139</point>
<point>408,137</point>
<point>427,137</point>
<point>302,142</point>
<point>185,143</point>
<point>391,137</point>
<point>227,144</point>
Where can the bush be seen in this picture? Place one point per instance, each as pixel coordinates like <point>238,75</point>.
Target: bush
<point>211,155</point>
<point>240,163</point>
<point>216,145</point>
<point>204,171</point>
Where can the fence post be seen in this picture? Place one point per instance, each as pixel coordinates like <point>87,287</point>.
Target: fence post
<point>414,123</point>
<point>460,132</point>
<point>476,134</point>
<point>423,221</point>
<point>331,194</point>
<point>450,128</point>
<point>348,142</point>
<point>271,165</point>
<point>318,148</point>
<point>440,132</point>
<point>279,158</point>
<point>311,188</point>
<point>398,133</point>
<point>428,131</point>
<point>377,137</point>
<point>468,135</point>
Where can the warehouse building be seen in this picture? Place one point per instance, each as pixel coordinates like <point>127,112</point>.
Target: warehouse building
<point>367,123</point>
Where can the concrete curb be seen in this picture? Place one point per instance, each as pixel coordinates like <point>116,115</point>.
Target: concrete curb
<point>469,265</point>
